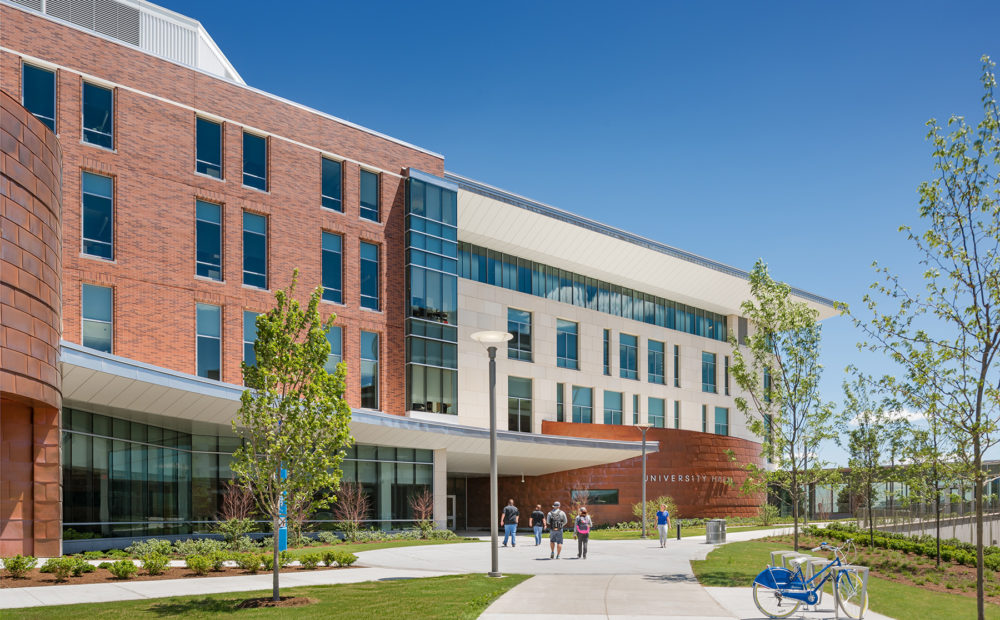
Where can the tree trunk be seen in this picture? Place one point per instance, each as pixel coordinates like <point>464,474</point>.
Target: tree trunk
<point>937,517</point>
<point>871,520</point>
<point>276,567</point>
<point>980,590</point>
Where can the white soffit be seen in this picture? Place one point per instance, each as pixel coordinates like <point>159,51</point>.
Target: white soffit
<point>541,233</point>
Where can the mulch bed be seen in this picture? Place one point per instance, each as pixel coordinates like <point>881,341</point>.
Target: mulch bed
<point>284,601</point>
<point>103,575</point>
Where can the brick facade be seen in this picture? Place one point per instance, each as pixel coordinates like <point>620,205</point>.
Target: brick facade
<point>30,257</point>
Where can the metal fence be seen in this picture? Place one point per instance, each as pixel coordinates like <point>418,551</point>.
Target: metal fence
<point>958,520</point>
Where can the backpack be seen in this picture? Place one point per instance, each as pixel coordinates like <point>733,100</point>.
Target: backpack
<point>557,520</point>
<point>583,525</point>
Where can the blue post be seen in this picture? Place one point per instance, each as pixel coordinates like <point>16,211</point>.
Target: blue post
<point>283,518</point>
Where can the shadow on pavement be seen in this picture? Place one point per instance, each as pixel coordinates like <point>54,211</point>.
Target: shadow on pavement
<point>675,578</point>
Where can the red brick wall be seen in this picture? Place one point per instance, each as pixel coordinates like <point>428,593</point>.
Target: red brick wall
<point>30,255</point>
<point>156,187</point>
<point>690,466</point>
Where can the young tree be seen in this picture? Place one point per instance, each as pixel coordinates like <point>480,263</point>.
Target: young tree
<point>351,509</point>
<point>947,338</point>
<point>293,417</point>
<point>422,505</point>
<point>778,375</point>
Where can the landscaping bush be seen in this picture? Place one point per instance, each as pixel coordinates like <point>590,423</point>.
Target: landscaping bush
<point>310,561</point>
<point>81,566</point>
<point>142,548</point>
<point>442,535</point>
<point>198,546</point>
<point>19,565</point>
<point>249,562</point>
<point>233,529</point>
<point>218,559</point>
<point>330,558</point>
<point>61,568</point>
<point>155,563</point>
<point>284,559</point>
<point>199,564</point>
<point>118,554</point>
<point>652,506</point>
<point>345,558</point>
<point>106,565</point>
<point>243,544</point>
<point>123,569</point>
<point>768,514</point>
<point>93,555</point>
<point>329,538</point>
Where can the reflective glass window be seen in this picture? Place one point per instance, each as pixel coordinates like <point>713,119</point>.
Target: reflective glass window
<point>38,93</point>
<point>583,404</point>
<point>629,356</point>
<point>97,312</point>
<point>519,404</point>
<point>332,176</point>
<point>255,161</point>
<point>249,337</point>
<point>560,402</point>
<point>721,421</point>
<point>708,372</point>
<point>336,339</point>
<point>656,361</point>
<point>519,324</point>
<point>566,344</point>
<point>612,407</point>
<point>333,267</point>
<point>209,345</point>
<point>98,215</point>
<point>208,147</point>
<point>369,196</point>
<point>369,276</point>
<point>655,415</point>
<point>369,370</point>
<point>98,115</point>
<point>254,250</point>
<point>208,240</point>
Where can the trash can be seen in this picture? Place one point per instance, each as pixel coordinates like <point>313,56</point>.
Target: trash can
<point>715,531</point>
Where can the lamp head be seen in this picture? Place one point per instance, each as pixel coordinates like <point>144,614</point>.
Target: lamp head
<point>491,339</point>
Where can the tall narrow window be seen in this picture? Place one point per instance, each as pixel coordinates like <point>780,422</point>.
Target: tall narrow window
<point>336,339</point>
<point>519,324</point>
<point>612,407</point>
<point>98,115</point>
<point>607,352</point>
<point>721,421</point>
<point>704,418</point>
<point>560,402</point>
<point>255,161</point>
<point>254,250</point>
<point>677,365</point>
<point>369,276</point>
<point>677,414</point>
<point>519,404</point>
<point>208,240</point>
<point>208,147</point>
<point>656,361</point>
<point>369,196</point>
<point>98,215</point>
<point>655,414</point>
<point>333,267</point>
<point>369,370</point>
<point>583,404</point>
<point>726,376</point>
<point>767,384</point>
<point>331,184</point>
<point>566,344</point>
<point>635,409</point>
<point>209,329</point>
<point>38,94</point>
<point>629,354</point>
<point>97,312</point>
<point>708,372</point>
<point>249,337</point>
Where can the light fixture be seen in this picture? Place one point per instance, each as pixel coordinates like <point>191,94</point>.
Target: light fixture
<point>644,427</point>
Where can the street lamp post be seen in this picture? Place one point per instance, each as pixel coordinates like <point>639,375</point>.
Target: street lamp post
<point>643,428</point>
<point>490,340</point>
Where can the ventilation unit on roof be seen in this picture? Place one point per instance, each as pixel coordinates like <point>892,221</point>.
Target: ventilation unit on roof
<point>107,17</point>
<point>31,4</point>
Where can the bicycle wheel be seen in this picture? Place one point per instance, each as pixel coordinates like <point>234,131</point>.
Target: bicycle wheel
<point>853,600</point>
<point>771,603</point>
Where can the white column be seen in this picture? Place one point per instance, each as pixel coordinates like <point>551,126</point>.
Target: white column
<point>441,489</point>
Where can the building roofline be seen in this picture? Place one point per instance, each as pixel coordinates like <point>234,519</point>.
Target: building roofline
<point>489,191</point>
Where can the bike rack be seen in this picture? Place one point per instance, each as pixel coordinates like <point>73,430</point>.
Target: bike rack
<point>783,556</point>
<point>863,571</point>
<point>813,566</point>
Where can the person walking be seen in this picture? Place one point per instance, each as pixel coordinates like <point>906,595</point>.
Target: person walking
<point>663,524</point>
<point>509,522</point>
<point>556,521</point>
<point>582,526</point>
<point>538,523</point>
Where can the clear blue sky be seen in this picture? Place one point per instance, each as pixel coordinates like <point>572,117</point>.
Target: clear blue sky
<point>792,131</point>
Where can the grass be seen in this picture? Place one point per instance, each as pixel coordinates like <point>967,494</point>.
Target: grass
<point>736,565</point>
<point>453,596</point>
<point>693,530</point>
<point>359,547</point>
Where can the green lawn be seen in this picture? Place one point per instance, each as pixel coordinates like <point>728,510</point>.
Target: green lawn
<point>385,544</point>
<point>454,596</point>
<point>693,530</point>
<point>736,565</point>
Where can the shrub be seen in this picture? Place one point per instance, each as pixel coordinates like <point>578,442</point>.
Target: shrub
<point>93,555</point>
<point>81,566</point>
<point>330,557</point>
<point>104,565</point>
<point>329,538</point>
<point>284,559</point>
<point>142,548</point>
<point>232,529</point>
<point>199,564</point>
<point>243,544</point>
<point>768,514</point>
<point>653,506</point>
<point>198,546</point>
<point>345,558</point>
<point>310,561</point>
<point>118,554</point>
<point>60,567</point>
<point>442,535</point>
<point>249,562</point>
<point>155,563</point>
<point>123,569</point>
<point>19,565</point>
<point>218,559</point>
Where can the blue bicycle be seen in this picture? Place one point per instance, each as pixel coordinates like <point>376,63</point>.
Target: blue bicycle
<point>778,592</point>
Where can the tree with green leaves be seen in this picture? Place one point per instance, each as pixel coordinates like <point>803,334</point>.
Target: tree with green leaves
<point>778,374</point>
<point>293,415</point>
<point>947,337</point>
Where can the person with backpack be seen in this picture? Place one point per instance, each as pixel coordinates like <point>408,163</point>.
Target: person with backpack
<point>557,521</point>
<point>582,527</point>
<point>538,523</point>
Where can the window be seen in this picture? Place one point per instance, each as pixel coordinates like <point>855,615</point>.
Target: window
<point>369,196</point>
<point>255,161</point>
<point>607,352</point>
<point>97,311</point>
<point>612,407</point>
<point>566,344</point>
<point>333,268</point>
<point>208,147</point>
<point>708,372</point>
<point>704,418</point>
<point>519,404</point>
<point>767,384</point>
<point>594,497</point>
<point>336,339</point>
<point>331,184</point>
<point>98,216</point>
<point>369,370</point>
<point>519,324</point>
<point>656,413</point>
<point>249,337</point>
<point>677,414</point>
<point>635,409</point>
<point>254,250</point>
<point>38,94</point>
<point>209,329</point>
<point>98,115</point>
<point>721,421</point>
<point>629,358</point>
<point>726,376</point>
<point>656,361</point>
<point>369,276</point>
<point>208,240</point>
<point>583,404</point>
<point>560,402</point>
<point>677,365</point>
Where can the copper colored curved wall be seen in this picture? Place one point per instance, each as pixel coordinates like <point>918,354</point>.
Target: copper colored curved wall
<point>693,468</point>
<point>30,329</point>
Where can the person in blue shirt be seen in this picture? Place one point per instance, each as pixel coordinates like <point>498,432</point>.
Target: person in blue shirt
<point>663,524</point>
